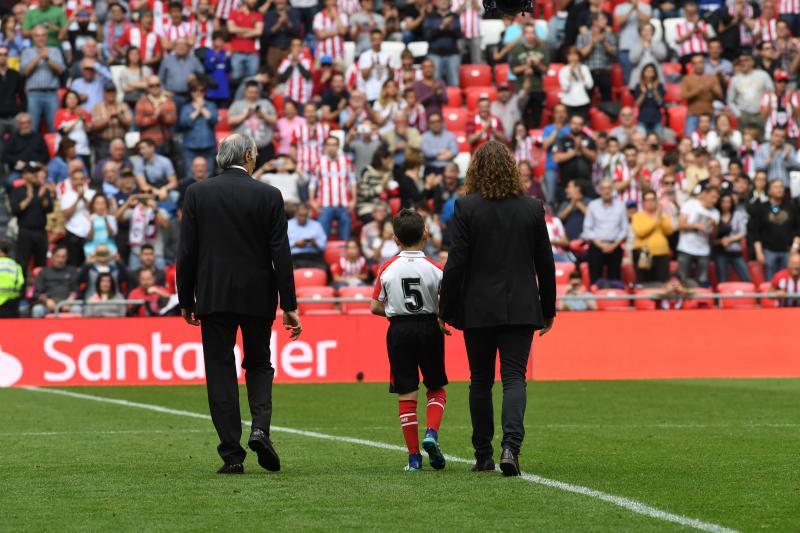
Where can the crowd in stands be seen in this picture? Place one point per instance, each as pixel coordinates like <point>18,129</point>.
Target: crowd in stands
<point>661,135</point>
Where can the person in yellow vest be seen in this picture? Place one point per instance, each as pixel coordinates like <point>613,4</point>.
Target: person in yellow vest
<point>12,280</point>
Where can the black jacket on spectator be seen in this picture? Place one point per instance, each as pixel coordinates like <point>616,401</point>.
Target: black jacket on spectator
<point>56,283</point>
<point>30,147</point>
<point>34,217</point>
<point>775,226</point>
<point>500,249</point>
<point>12,94</point>
<point>234,251</point>
<point>283,37</point>
<point>443,42</point>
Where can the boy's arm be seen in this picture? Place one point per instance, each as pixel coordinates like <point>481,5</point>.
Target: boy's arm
<point>377,307</point>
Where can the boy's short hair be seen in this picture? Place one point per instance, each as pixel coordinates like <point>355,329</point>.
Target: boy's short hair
<point>409,227</point>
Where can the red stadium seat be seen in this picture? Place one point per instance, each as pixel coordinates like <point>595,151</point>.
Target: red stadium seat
<point>599,120</point>
<point>475,76</point>
<point>315,293</point>
<point>563,270</point>
<point>474,94</point>
<point>362,293</point>
<point>700,303</point>
<point>677,119</point>
<point>277,101</point>
<point>766,288</point>
<point>645,305</point>
<point>617,80</point>
<point>51,140</point>
<point>334,251</point>
<point>455,118</point>
<point>220,135</point>
<point>672,94</point>
<point>737,287</point>
<point>551,77</point>
<point>455,97</point>
<point>671,70</point>
<point>612,305</point>
<point>756,270</point>
<point>461,139</point>
<point>222,121</point>
<point>584,268</point>
<point>310,277</point>
<point>626,98</point>
<point>501,73</point>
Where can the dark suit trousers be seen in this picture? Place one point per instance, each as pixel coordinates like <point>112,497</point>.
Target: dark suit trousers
<point>514,345</point>
<point>219,338</point>
<point>598,261</point>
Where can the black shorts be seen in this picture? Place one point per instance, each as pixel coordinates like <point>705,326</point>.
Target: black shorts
<point>415,343</point>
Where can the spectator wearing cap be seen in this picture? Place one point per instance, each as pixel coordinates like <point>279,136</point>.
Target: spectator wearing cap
<point>178,70</point>
<point>49,17</point>
<point>322,77</point>
<point>42,65</point>
<point>245,27</point>
<point>745,91</point>
<point>529,61</point>
<point>779,108</point>
<point>12,96</point>
<point>155,173</point>
<point>508,108</point>
<point>363,23</point>
<point>776,156</point>
<point>31,203</point>
<point>606,228</point>
<point>439,146</point>
<point>442,30</point>
<point>56,283</point>
<point>25,145</point>
<point>111,120</point>
<point>307,240</point>
<point>281,24</point>
<point>699,89</point>
<point>155,116</point>
<point>75,122</point>
<point>776,230</point>
<point>597,48</point>
<point>198,119</point>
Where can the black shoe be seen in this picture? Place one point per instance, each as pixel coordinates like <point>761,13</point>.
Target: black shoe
<point>235,468</point>
<point>267,456</point>
<point>483,465</point>
<point>509,463</point>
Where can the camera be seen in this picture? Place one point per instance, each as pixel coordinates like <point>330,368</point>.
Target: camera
<point>507,7</point>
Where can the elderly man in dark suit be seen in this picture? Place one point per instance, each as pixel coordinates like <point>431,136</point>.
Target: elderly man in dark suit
<point>233,263</point>
<point>499,286</point>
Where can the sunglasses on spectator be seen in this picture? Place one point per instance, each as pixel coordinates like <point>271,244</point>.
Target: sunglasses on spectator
<point>154,85</point>
<point>669,182</point>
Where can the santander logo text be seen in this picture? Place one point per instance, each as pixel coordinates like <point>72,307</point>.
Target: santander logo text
<point>10,369</point>
<point>159,360</point>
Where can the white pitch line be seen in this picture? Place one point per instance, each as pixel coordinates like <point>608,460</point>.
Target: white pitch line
<point>99,432</point>
<point>625,503</point>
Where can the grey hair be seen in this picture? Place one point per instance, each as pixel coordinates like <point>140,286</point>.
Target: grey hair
<point>234,149</point>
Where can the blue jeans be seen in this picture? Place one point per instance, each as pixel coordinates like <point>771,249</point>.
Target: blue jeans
<point>549,181</point>
<point>625,62</point>
<point>690,124</point>
<point>447,68</point>
<point>774,262</point>
<point>243,66</point>
<point>738,263</point>
<point>328,214</point>
<point>42,104</point>
<point>656,128</point>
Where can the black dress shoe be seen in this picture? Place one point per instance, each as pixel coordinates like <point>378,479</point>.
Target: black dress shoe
<point>483,465</point>
<point>267,456</point>
<point>235,468</point>
<point>509,463</point>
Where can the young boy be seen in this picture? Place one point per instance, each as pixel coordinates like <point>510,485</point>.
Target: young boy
<point>407,292</point>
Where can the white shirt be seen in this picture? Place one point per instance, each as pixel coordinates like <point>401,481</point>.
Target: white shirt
<point>383,68</point>
<point>79,223</point>
<point>575,92</point>
<point>696,242</point>
<point>409,285</point>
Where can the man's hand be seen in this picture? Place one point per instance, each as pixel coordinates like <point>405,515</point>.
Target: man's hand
<point>291,322</point>
<point>189,316</point>
<point>548,325</point>
<point>443,328</point>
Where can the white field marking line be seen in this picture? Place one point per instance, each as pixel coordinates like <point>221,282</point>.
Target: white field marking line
<point>626,503</point>
<point>100,432</point>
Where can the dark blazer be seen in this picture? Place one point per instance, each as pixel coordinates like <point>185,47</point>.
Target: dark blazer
<point>234,253</point>
<point>500,249</point>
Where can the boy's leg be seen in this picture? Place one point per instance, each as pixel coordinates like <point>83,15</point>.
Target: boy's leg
<point>437,399</point>
<point>408,421</point>
<point>431,363</point>
<point>405,383</point>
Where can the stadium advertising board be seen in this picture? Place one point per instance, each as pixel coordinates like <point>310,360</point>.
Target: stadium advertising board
<point>601,345</point>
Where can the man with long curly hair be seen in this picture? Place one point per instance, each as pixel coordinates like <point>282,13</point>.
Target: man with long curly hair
<point>499,245</point>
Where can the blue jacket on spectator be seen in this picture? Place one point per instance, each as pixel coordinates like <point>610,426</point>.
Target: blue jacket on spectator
<point>442,41</point>
<point>198,133</point>
<point>218,65</point>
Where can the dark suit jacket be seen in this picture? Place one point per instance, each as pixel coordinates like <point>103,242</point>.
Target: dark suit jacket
<point>500,248</point>
<point>234,253</point>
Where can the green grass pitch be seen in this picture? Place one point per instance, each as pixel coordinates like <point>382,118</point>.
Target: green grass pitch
<point>725,452</point>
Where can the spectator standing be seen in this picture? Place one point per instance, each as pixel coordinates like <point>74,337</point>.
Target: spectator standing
<point>776,230</point>
<point>692,34</point>
<point>198,172</point>
<point>697,224</point>
<point>102,226</point>
<point>56,283</point>
<point>431,92</point>
<point>51,18</point>
<point>631,178</point>
<point>12,96</point>
<point>12,282</point>
<point>75,202</point>
<point>308,139</point>
<point>286,126</point>
<point>178,71</point>
<point>529,62</point>
<point>787,283</point>
<point>717,64</point>
<point>42,66</point>
<point>442,31</point>
<point>322,77</point>
<point>330,27</point>
<point>334,100</point>
<point>112,31</point>
<point>779,108</point>
<point>597,48</point>
<point>58,167</point>
<point>255,116</point>
<point>745,92</point>
<point>573,211</point>
<point>25,146</point>
<point>362,25</point>
<point>145,39</point>
<point>31,204</point>
<point>439,146</point>
<point>574,153</point>
<point>75,122</point>
<point>648,51</point>
<point>89,85</point>
<point>295,73</point>
<point>651,227</point>
<point>307,239</point>
<point>699,90</point>
<point>576,82</point>
<point>245,26</point>
<point>376,67</point>
<point>333,189</point>
<point>606,228</point>
<point>776,156</point>
<point>198,119</point>
<point>282,23</point>
<point>373,183</point>
<point>629,16</point>
<point>731,233</point>
<point>362,143</point>
<point>156,114</point>
<point>649,98</point>
<point>217,64</point>
<point>110,120</point>
<point>282,174</point>
<point>550,135</point>
<point>134,77</point>
<point>470,12</point>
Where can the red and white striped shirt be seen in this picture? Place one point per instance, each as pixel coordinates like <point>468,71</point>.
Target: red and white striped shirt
<point>765,30</point>
<point>203,30</point>
<point>352,77</point>
<point>782,112</point>
<point>398,77</point>
<point>632,192</point>
<point>350,269</point>
<point>148,43</point>
<point>696,44</point>
<point>702,140</point>
<point>789,7</point>
<point>297,87</point>
<point>525,150</point>
<point>225,8</point>
<point>308,141</point>
<point>417,117</point>
<point>556,232</point>
<point>745,37</point>
<point>349,7</point>
<point>481,125</point>
<point>747,155</point>
<point>331,46</point>
<point>783,281</point>
<point>333,180</point>
<point>470,18</point>
<point>73,6</point>
<point>172,32</point>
